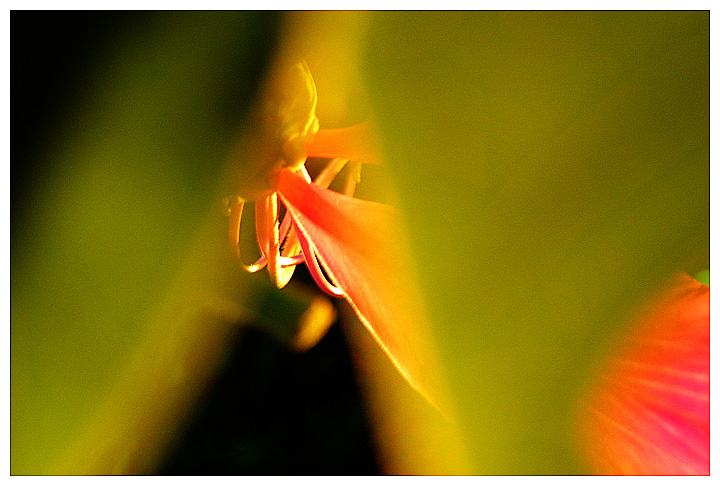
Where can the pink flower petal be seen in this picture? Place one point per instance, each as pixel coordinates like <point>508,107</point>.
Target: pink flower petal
<point>356,242</point>
<point>649,412</point>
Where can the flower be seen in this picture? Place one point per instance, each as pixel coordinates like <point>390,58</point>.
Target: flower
<point>648,413</point>
<point>354,242</point>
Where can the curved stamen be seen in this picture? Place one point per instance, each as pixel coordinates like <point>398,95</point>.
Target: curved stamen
<point>304,173</point>
<point>314,267</point>
<point>267,231</point>
<point>236,210</point>
<point>235,213</point>
<point>291,261</point>
<point>290,246</point>
<point>328,174</point>
<point>353,179</point>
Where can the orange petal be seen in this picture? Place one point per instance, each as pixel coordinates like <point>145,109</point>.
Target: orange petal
<point>357,243</point>
<point>649,412</point>
<point>352,143</point>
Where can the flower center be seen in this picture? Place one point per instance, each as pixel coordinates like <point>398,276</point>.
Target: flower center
<point>288,110</point>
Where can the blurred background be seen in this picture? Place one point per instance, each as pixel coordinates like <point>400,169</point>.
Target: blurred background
<point>552,169</point>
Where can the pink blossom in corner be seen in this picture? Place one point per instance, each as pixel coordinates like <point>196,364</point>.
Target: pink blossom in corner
<point>648,413</point>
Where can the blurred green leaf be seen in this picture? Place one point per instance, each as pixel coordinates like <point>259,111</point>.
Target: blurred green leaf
<point>124,283</point>
<point>554,170</point>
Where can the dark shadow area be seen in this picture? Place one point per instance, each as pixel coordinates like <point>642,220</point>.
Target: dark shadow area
<point>273,411</point>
